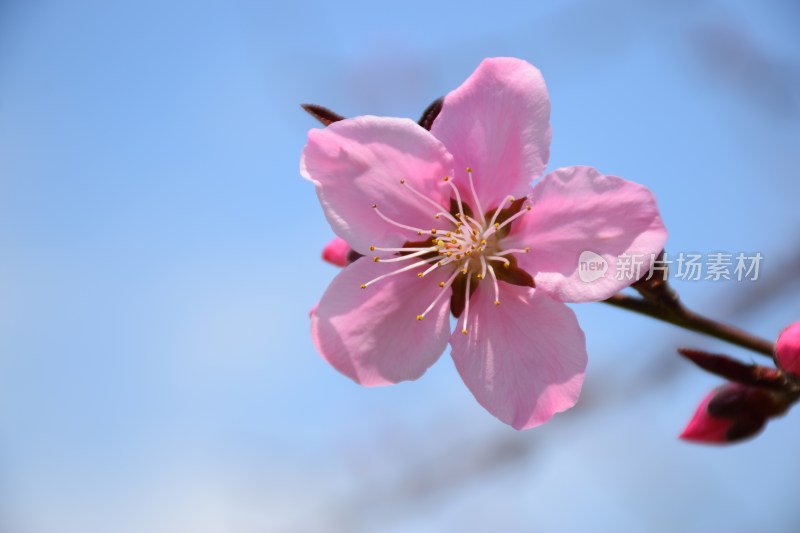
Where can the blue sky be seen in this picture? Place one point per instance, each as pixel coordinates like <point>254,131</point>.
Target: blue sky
<point>159,254</point>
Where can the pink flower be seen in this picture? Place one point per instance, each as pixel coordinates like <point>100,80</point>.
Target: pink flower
<point>336,252</point>
<point>448,222</point>
<point>787,349</point>
<point>731,413</point>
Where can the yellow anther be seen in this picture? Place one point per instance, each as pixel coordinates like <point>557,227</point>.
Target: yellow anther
<point>527,207</point>
<point>527,249</point>
<point>464,331</point>
<point>496,225</point>
<point>449,234</point>
<point>449,254</point>
<point>433,232</point>
<point>453,241</point>
<point>419,233</point>
<point>463,270</point>
<point>469,169</point>
<point>371,248</point>
<point>511,198</point>
<point>436,216</point>
<point>419,317</point>
<point>440,242</point>
<point>497,302</point>
<point>480,276</point>
<point>446,178</point>
<point>376,259</point>
<point>441,284</point>
<point>420,275</point>
<point>483,242</point>
<point>363,286</point>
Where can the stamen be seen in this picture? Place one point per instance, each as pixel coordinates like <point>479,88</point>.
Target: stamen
<point>508,221</point>
<point>497,258</point>
<point>458,198</point>
<point>496,287</point>
<point>395,223</point>
<point>444,285</point>
<point>474,223</point>
<point>373,248</point>
<point>420,195</point>
<point>466,306</point>
<point>408,256</point>
<point>514,251</point>
<point>475,195</point>
<point>431,269</point>
<point>483,268</point>
<point>500,208</point>
<point>395,272</point>
<point>448,216</point>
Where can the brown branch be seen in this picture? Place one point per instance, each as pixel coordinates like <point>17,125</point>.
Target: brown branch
<point>678,315</point>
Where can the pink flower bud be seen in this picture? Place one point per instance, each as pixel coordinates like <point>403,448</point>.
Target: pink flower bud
<point>730,413</point>
<point>336,252</point>
<point>787,349</point>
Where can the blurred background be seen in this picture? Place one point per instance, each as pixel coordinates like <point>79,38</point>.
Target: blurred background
<point>159,253</point>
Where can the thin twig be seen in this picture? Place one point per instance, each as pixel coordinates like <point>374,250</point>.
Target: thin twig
<point>678,315</point>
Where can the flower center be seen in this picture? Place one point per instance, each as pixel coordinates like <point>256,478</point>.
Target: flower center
<point>471,248</point>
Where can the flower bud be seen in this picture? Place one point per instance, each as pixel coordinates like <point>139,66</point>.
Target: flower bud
<point>787,349</point>
<point>337,252</point>
<point>731,413</point>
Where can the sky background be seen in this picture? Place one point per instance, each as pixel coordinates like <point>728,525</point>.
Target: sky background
<point>159,253</point>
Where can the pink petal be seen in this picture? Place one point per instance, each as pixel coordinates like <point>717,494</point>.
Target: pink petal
<point>523,360</point>
<point>498,123</point>
<point>358,162</point>
<point>577,210</point>
<point>336,252</point>
<point>372,335</point>
<point>787,349</point>
<point>705,428</point>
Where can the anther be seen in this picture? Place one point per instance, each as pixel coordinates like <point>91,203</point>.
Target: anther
<point>376,259</point>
